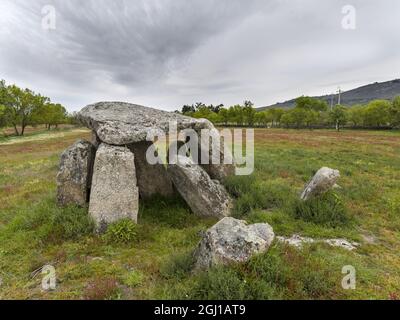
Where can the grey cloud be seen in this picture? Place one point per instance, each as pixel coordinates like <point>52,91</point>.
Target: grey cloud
<point>167,53</point>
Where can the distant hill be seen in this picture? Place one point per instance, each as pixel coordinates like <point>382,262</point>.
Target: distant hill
<point>378,90</point>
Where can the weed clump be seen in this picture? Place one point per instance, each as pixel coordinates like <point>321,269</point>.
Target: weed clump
<point>102,289</point>
<point>134,278</point>
<point>178,266</point>
<point>252,194</point>
<point>121,232</point>
<point>328,209</point>
<point>239,185</point>
<point>72,223</point>
<point>52,223</point>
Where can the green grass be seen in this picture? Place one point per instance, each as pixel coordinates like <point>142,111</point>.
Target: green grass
<point>154,259</point>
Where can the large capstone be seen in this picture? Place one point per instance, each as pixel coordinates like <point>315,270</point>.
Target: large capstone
<point>232,241</point>
<point>120,123</point>
<point>324,180</point>
<point>123,133</point>
<point>206,197</point>
<point>152,178</point>
<point>74,175</point>
<point>114,195</point>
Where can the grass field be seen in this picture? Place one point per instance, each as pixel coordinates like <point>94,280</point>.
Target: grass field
<point>157,262</point>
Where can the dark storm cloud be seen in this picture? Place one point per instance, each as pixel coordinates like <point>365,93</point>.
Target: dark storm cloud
<point>169,52</point>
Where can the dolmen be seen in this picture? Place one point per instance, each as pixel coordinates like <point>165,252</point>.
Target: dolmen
<point>122,163</point>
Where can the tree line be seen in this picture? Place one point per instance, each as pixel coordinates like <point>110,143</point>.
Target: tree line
<point>308,113</point>
<point>20,108</point>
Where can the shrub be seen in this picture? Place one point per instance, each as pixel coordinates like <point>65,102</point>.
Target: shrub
<point>256,195</point>
<point>178,266</point>
<point>219,283</point>
<point>328,210</point>
<point>71,223</point>
<point>123,231</point>
<point>270,268</point>
<point>239,185</point>
<point>53,223</point>
<point>225,283</point>
<point>102,289</point>
<point>134,279</point>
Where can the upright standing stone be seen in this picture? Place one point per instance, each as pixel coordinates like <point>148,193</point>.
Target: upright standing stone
<point>114,194</point>
<point>323,181</point>
<point>152,178</point>
<point>74,175</point>
<point>206,197</point>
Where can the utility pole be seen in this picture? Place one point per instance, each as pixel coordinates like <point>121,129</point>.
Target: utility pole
<point>339,100</point>
<point>340,93</point>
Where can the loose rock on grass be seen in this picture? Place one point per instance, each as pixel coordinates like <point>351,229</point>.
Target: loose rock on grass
<point>232,241</point>
<point>298,242</point>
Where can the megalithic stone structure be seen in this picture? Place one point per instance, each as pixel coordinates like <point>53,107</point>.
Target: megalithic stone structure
<point>122,134</point>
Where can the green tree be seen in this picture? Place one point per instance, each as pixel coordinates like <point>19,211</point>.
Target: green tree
<point>295,117</point>
<point>377,113</point>
<point>286,118</point>
<point>311,118</point>
<point>3,121</point>
<point>310,103</point>
<point>206,113</point>
<point>187,110</point>
<point>262,118</point>
<point>355,115</point>
<point>249,113</point>
<point>236,114</point>
<point>224,116</point>
<point>338,116</point>
<point>3,96</point>
<point>12,100</point>
<point>275,115</point>
<point>19,106</point>
<point>395,112</point>
<point>22,107</point>
<point>30,102</point>
<point>50,114</point>
<point>299,117</point>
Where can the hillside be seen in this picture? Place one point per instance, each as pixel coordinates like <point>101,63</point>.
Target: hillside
<point>378,90</point>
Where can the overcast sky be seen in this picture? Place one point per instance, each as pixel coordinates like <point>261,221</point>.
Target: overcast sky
<point>166,53</point>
